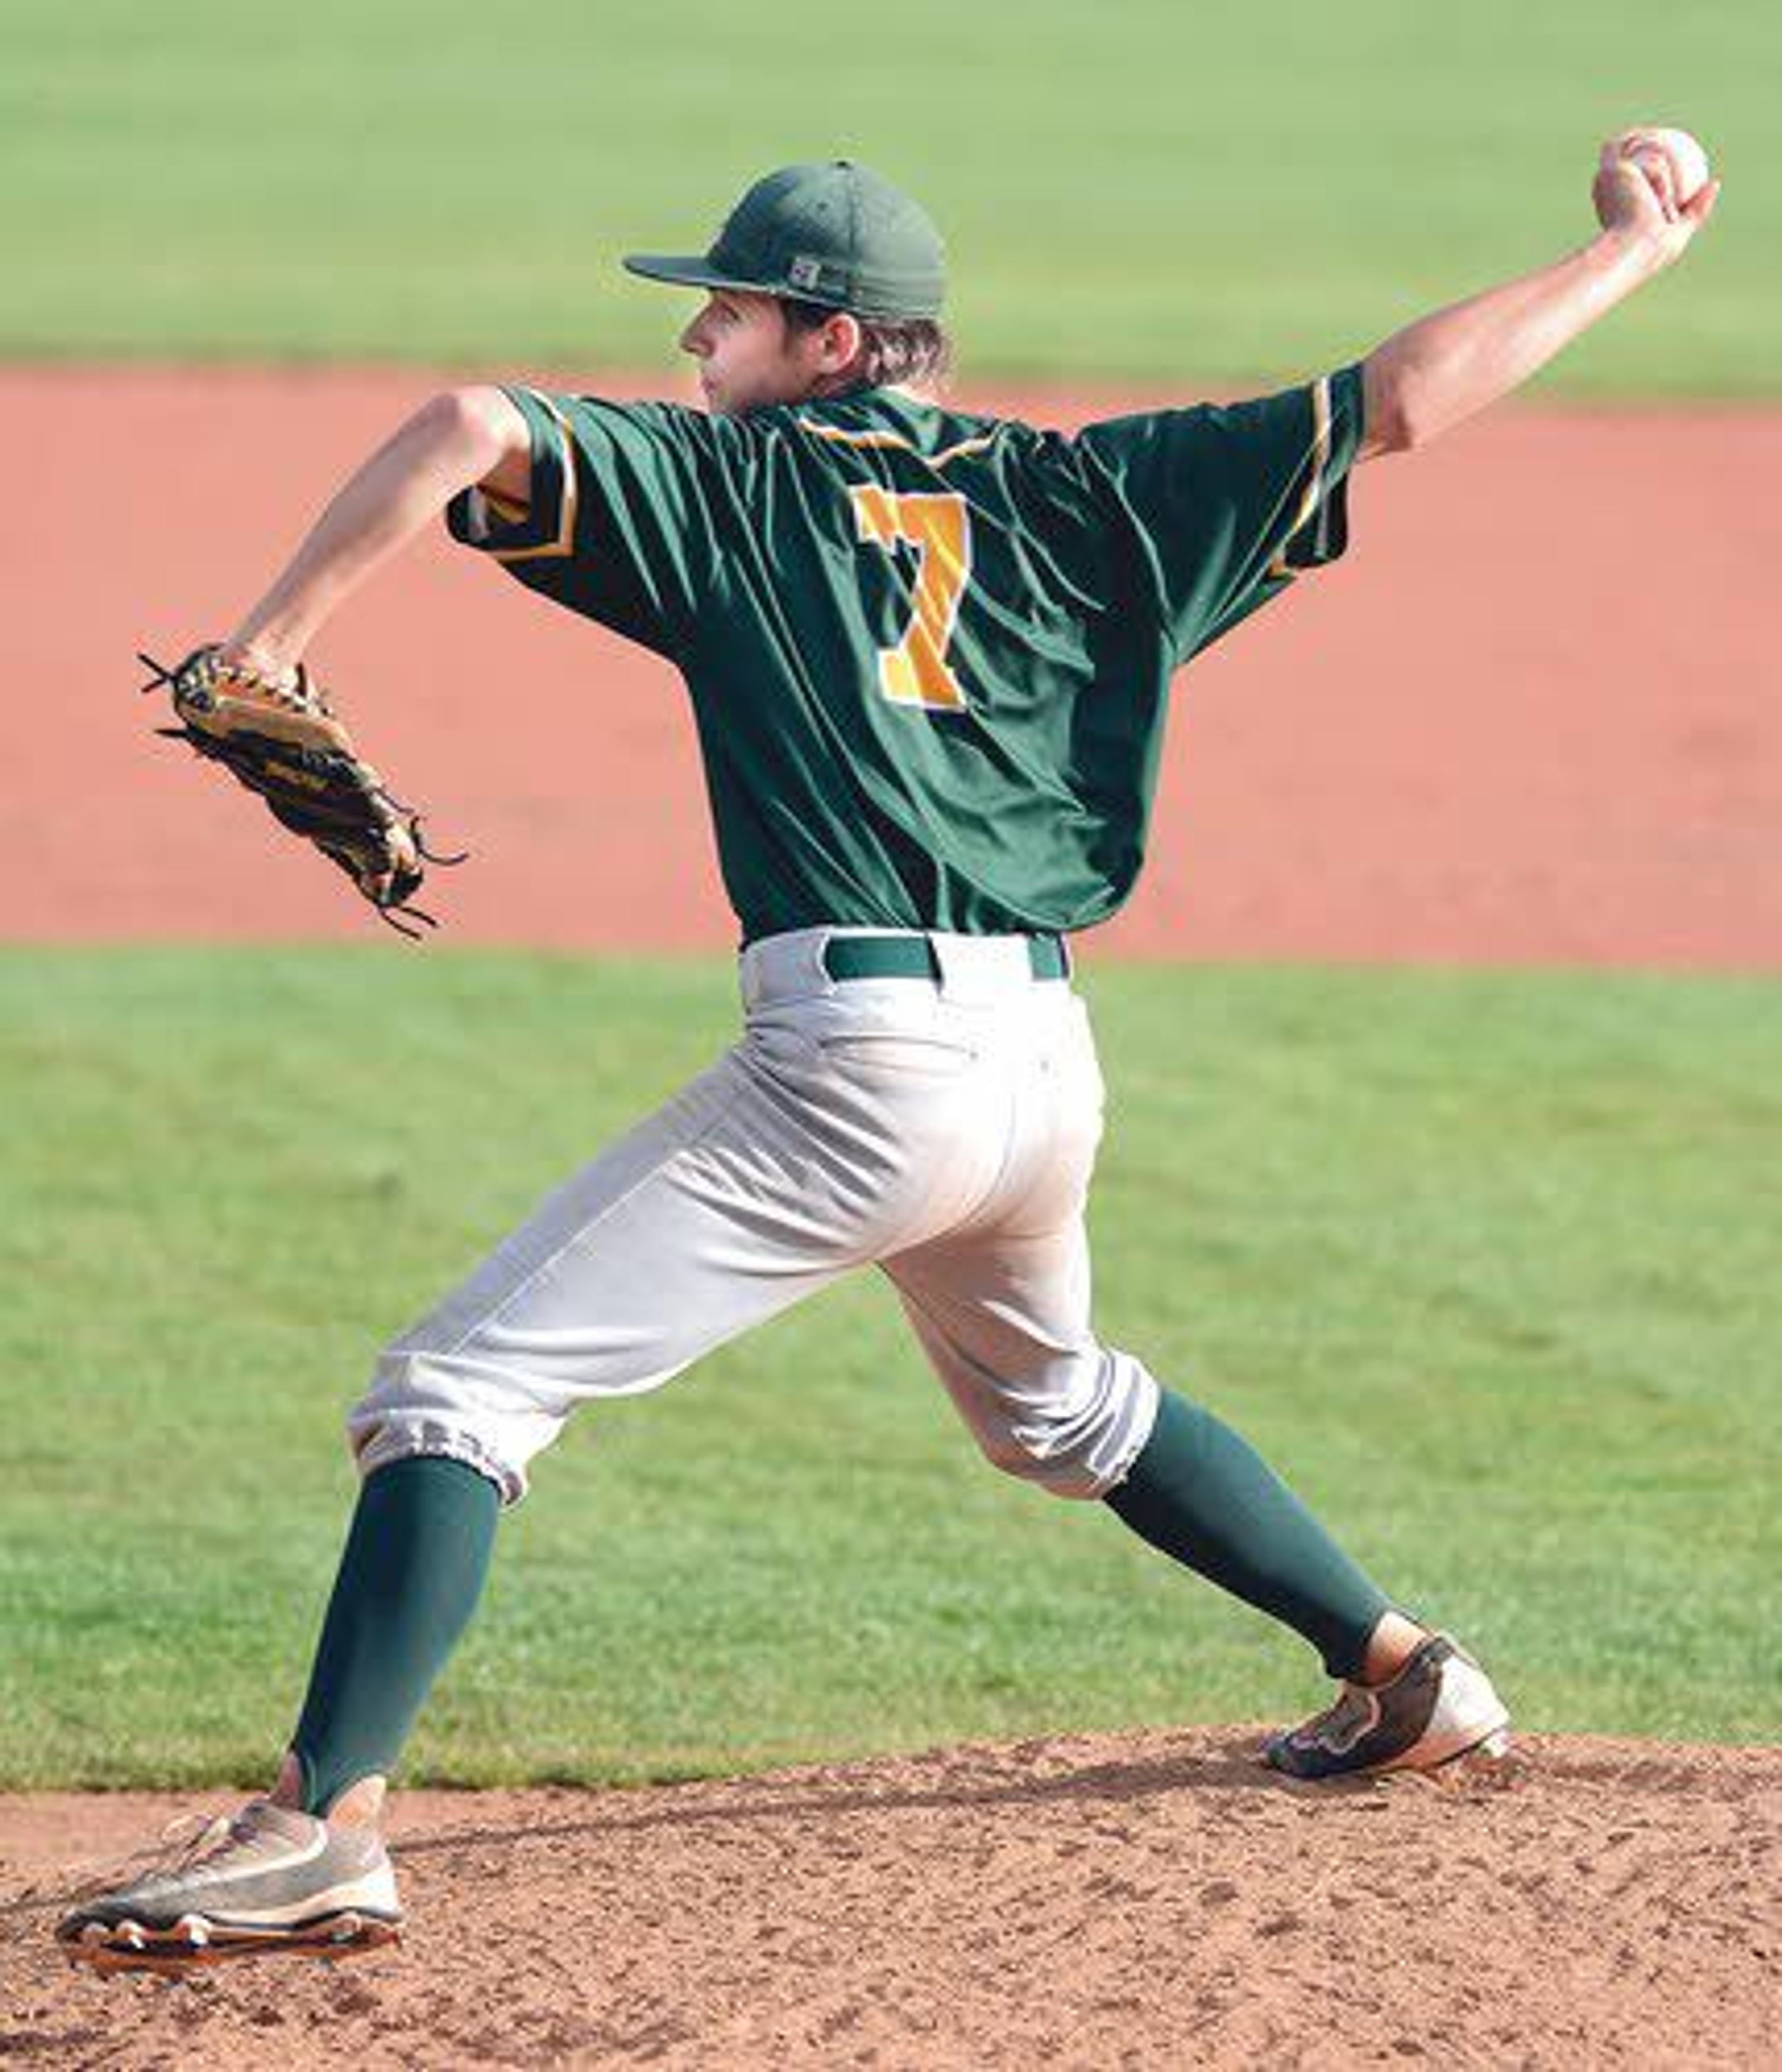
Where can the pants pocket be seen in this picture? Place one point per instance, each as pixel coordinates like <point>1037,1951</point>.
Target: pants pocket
<point>897,1055</point>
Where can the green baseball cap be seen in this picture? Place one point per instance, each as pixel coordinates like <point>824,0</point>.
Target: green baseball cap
<point>833,233</point>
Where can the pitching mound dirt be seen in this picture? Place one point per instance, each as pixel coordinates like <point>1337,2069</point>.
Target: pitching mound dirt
<point>1140,1901</point>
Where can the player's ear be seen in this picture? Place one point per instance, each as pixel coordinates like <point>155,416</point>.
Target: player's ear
<point>841,337</point>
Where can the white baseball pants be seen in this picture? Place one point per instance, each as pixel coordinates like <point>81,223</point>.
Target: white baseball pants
<point>943,1131</point>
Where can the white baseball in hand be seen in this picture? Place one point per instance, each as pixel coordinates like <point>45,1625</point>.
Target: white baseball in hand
<point>1672,160</point>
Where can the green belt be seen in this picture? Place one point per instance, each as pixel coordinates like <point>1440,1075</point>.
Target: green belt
<point>915,957</point>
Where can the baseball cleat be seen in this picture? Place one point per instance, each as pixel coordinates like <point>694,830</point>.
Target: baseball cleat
<point>269,1880</point>
<point>1439,1707</point>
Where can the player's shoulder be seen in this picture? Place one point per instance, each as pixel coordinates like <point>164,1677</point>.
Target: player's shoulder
<point>899,431</point>
<point>1314,400</point>
<point>887,419</point>
<point>649,414</point>
<point>647,438</point>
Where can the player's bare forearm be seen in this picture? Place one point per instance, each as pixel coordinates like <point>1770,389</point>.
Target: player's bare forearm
<point>456,439</point>
<point>1447,366</point>
<point>1444,368</point>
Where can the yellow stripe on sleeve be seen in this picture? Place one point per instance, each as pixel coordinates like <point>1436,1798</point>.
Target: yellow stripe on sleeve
<point>564,542</point>
<point>1313,494</point>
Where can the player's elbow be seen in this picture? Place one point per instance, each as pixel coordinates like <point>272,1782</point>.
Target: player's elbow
<point>482,425</point>
<point>1395,421</point>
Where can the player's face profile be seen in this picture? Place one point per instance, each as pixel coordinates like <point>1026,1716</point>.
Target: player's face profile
<point>746,358</point>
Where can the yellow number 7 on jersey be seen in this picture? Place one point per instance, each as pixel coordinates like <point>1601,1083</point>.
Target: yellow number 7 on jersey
<point>938,525</point>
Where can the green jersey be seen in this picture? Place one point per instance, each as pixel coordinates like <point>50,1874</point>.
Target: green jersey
<point>929,654</point>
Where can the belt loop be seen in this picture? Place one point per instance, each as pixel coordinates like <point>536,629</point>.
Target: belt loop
<point>785,968</point>
<point>981,968</point>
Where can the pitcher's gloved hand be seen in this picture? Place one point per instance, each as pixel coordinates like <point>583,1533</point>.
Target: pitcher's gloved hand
<point>281,738</point>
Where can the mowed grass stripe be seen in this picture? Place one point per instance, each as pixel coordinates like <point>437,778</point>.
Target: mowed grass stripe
<point>1151,192</point>
<point>1485,1262</point>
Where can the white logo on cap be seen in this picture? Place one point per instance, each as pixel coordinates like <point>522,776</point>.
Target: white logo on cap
<point>805,273</point>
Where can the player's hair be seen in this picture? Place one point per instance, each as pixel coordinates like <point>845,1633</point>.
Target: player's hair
<point>911,349</point>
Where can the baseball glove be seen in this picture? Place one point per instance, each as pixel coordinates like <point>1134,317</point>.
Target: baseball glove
<point>284,742</point>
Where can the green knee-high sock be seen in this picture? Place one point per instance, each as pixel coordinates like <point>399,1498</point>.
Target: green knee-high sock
<point>1204,1495</point>
<point>408,1581</point>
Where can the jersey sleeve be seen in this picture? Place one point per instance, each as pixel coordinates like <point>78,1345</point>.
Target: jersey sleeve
<point>614,527</point>
<point>1230,502</point>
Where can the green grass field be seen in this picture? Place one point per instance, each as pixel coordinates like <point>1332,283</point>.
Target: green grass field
<point>1210,193</point>
<point>1485,1262</point>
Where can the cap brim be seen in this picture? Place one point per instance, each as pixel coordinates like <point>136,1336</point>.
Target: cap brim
<point>687,272</point>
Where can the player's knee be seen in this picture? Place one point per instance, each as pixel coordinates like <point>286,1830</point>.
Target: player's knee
<point>1078,1433</point>
<point>421,1403</point>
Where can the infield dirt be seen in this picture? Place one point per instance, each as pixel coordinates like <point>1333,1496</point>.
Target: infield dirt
<point>1531,719</point>
<point>1151,1900</point>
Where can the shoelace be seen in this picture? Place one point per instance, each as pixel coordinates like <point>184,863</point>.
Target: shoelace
<point>192,1839</point>
<point>183,1843</point>
<point>1339,1724</point>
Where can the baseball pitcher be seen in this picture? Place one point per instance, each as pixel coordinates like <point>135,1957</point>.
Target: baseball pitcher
<point>929,654</point>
